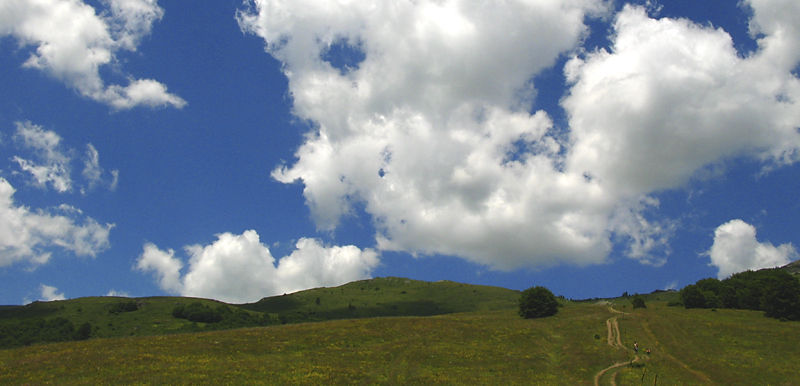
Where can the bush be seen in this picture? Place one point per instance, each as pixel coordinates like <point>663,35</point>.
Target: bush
<point>638,302</point>
<point>124,306</point>
<point>537,302</point>
<point>84,331</point>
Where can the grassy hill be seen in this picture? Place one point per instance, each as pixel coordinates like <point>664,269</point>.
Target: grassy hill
<point>360,299</point>
<point>400,331</point>
<point>153,317</point>
<point>390,296</point>
<point>491,347</point>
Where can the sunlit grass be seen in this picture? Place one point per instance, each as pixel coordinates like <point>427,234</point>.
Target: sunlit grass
<point>689,347</point>
<point>478,348</point>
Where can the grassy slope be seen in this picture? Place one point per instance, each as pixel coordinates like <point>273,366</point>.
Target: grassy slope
<point>154,316</point>
<point>692,347</point>
<point>389,296</point>
<point>368,298</point>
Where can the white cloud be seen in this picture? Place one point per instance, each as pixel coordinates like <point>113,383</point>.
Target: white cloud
<point>115,293</point>
<point>52,162</point>
<point>73,41</point>
<point>425,130</point>
<point>93,172</point>
<point>53,166</point>
<point>50,293</point>
<point>430,131</point>
<point>239,268</point>
<point>736,249</point>
<point>164,265</point>
<point>27,235</point>
<point>672,97</point>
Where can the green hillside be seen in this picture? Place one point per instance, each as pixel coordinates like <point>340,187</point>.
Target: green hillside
<point>389,296</point>
<point>689,347</point>
<point>154,315</point>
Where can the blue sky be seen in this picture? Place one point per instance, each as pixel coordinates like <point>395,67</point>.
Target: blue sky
<point>235,150</point>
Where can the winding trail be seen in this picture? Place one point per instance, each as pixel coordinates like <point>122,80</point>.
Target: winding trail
<point>614,340</point>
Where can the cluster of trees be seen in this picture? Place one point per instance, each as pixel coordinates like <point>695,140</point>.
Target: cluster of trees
<point>221,317</point>
<point>27,332</point>
<point>774,291</point>
<point>124,306</point>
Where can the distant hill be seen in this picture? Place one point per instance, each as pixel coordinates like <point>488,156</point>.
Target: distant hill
<point>390,296</point>
<point>113,317</point>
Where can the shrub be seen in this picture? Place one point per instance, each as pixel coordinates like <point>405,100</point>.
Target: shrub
<point>84,331</point>
<point>124,306</point>
<point>638,302</point>
<point>537,302</point>
<point>197,312</point>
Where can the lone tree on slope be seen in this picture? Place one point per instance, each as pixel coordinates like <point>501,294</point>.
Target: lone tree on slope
<point>638,302</point>
<point>537,302</point>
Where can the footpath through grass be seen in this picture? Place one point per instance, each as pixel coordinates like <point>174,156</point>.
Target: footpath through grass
<point>708,347</point>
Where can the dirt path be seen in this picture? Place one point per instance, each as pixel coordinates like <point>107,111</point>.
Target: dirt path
<point>614,340</point>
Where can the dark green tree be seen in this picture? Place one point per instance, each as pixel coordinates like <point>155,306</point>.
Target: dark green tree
<point>83,332</point>
<point>638,302</point>
<point>124,306</point>
<point>692,297</point>
<point>537,302</point>
<point>781,299</point>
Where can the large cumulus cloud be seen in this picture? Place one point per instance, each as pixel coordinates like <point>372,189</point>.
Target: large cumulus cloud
<point>432,131</point>
<point>736,249</point>
<point>239,268</point>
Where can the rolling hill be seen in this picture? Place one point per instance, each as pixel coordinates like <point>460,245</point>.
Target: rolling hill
<point>400,331</point>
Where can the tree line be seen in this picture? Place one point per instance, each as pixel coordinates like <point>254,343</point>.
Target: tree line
<point>221,317</point>
<point>28,332</point>
<point>773,291</point>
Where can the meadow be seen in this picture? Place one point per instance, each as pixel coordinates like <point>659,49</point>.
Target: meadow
<point>482,347</point>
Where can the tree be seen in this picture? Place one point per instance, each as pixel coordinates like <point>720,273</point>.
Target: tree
<point>84,331</point>
<point>537,302</point>
<point>124,306</point>
<point>638,302</point>
<point>692,297</point>
<point>781,299</point>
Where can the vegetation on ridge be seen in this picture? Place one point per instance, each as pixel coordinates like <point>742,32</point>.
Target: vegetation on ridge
<point>774,291</point>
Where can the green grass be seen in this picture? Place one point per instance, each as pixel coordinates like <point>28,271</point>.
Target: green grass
<point>154,316</point>
<point>448,333</point>
<point>490,347</point>
<point>389,296</point>
<point>377,297</point>
<point>690,347</point>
